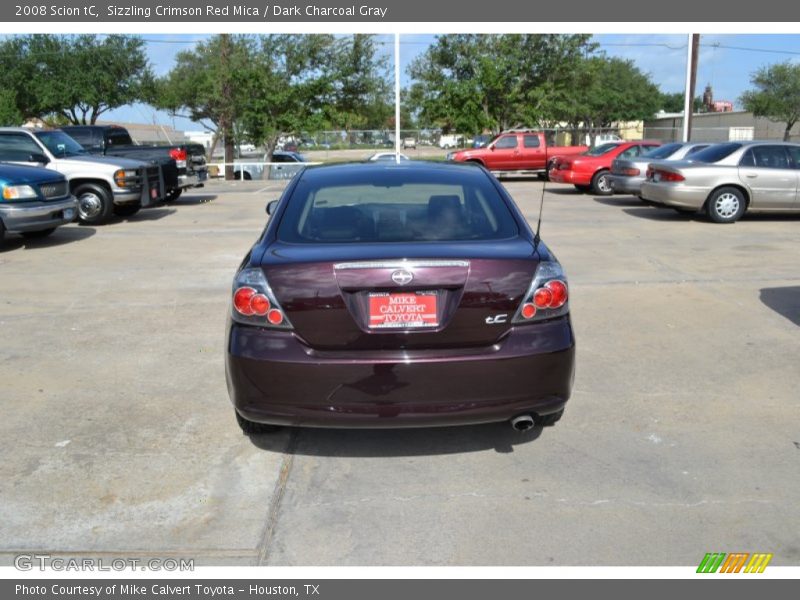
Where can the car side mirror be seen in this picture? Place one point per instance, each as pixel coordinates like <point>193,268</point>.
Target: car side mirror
<point>38,158</point>
<point>271,206</point>
<point>491,148</point>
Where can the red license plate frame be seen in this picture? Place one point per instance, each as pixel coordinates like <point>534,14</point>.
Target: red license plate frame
<point>403,310</point>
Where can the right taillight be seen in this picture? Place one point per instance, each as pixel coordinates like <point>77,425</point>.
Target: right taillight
<point>254,303</point>
<point>547,296</point>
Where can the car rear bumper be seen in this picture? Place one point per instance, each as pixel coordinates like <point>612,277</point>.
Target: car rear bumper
<point>625,184</point>
<point>671,194</point>
<point>37,216</point>
<point>274,378</point>
<point>196,179</point>
<point>567,176</point>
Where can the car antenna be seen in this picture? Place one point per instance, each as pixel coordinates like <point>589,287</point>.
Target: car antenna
<point>537,238</point>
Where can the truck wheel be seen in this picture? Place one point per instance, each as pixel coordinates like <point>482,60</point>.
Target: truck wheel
<point>601,183</point>
<point>33,235</point>
<point>95,203</point>
<point>127,210</point>
<point>173,195</point>
<point>726,205</point>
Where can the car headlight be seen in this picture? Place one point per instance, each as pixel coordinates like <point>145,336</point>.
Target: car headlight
<point>19,192</point>
<point>126,177</point>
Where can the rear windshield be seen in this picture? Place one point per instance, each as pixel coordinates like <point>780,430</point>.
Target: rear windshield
<point>664,151</point>
<point>601,149</point>
<point>715,153</point>
<point>391,204</point>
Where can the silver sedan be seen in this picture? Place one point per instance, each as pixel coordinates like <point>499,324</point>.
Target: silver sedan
<point>727,179</point>
<point>627,175</point>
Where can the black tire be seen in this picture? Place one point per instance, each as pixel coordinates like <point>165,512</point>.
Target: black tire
<point>95,203</point>
<point>583,189</point>
<point>34,235</point>
<point>601,185</point>
<point>548,420</point>
<point>2,232</point>
<point>252,428</point>
<point>127,210</point>
<point>173,195</point>
<point>726,205</point>
<point>237,175</point>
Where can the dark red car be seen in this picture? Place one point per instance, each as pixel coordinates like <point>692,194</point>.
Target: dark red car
<point>590,171</point>
<point>398,294</point>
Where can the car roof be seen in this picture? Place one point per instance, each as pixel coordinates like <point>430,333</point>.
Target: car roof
<point>356,168</point>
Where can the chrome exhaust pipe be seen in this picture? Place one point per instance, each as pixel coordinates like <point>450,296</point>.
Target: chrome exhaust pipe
<point>522,423</point>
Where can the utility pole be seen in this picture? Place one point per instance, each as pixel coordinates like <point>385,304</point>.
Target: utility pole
<point>226,97</point>
<point>691,83</point>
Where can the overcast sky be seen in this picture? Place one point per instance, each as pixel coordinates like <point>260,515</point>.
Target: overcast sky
<point>726,62</point>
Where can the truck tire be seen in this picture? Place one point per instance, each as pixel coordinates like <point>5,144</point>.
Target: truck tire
<point>95,203</point>
<point>601,185</point>
<point>127,210</point>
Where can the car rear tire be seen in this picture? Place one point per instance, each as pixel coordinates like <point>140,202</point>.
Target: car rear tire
<point>127,210</point>
<point>2,232</point>
<point>726,205</point>
<point>95,203</point>
<point>548,420</point>
<point>583,189</point>
<point>601,183</point>
<point>173,195</point>
<point>35,235</point>
<point>252,428</point>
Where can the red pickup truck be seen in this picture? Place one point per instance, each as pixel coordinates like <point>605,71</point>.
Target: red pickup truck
<point>523,150</point>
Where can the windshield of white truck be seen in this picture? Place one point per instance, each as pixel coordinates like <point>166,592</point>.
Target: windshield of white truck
<point>60,144</point>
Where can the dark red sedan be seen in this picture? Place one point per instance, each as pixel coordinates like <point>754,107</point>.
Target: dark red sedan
<point>393,295</point>
<point>591,171</point>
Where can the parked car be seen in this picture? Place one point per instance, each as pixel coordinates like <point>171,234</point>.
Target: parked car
<point>590,171</point>
<point>516,150</point>
<point>103,185</point>
<point>282,165</point>
<point>183,165</point>
<point>409,142</point>
<point>627,174</point>
<point>387,157</point>
<point>389,295</point>
<point>34,201</point>
<point>725,180</point>
<point>450,141</point>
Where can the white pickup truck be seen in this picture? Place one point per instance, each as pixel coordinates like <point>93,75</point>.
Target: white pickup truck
<point>104,186</point>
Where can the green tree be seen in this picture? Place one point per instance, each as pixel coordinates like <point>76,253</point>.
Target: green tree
<point>469,83</point>
<point>203,86</point>
<point>610,90</point>
<point>77,77</point>
<point>673,103</point>
<point>777,95</point>
<point>361,91</point>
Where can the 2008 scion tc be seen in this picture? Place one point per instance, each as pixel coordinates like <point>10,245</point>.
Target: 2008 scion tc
<point>396,295</point>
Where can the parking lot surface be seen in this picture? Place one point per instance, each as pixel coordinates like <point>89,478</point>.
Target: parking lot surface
<point>682,436</point>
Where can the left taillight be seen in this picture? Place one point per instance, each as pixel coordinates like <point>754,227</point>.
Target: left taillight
<point>179,155</point>
<point>253,302</point>
<point>547,296</point>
